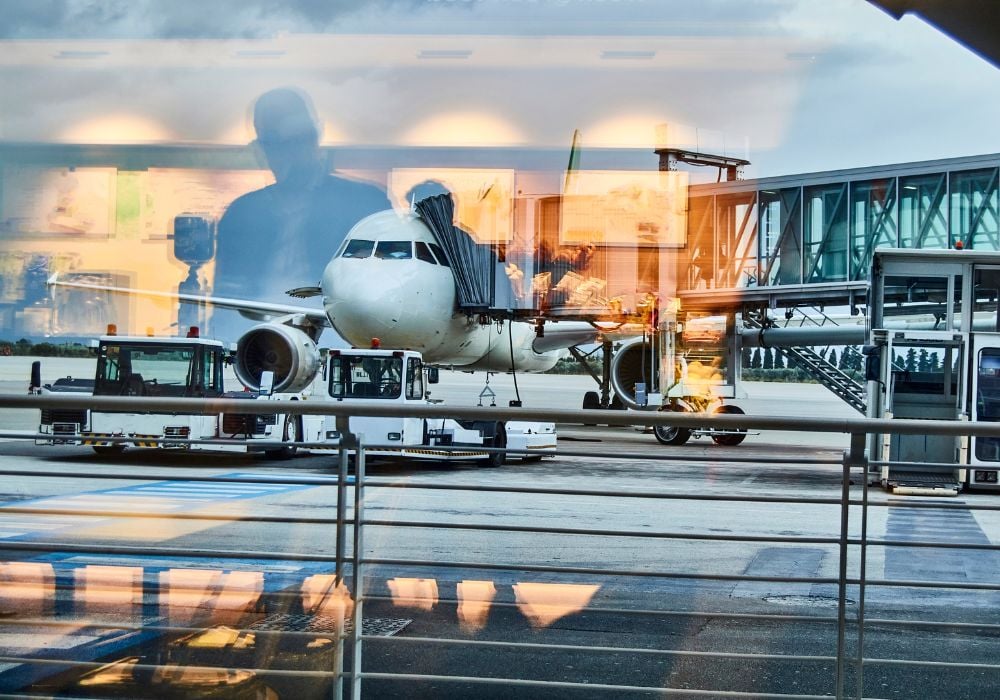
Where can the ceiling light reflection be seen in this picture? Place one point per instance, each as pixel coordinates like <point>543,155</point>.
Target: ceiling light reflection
<point>475,599</point>
<point>544,603</point>
<point>420,593</point>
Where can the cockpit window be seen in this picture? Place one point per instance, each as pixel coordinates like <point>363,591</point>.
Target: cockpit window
<point>423,252</point>
<point>440,254</point>
<point>358,248</point>
<point>394,250</point>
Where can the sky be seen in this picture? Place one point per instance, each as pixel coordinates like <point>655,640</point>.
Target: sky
<point>793,85</point>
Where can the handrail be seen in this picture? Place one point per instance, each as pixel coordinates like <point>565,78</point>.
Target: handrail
<point>357,565</point>
<point>646,418</point>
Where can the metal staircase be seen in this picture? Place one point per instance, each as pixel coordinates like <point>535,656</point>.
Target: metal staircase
<point>823,371</point>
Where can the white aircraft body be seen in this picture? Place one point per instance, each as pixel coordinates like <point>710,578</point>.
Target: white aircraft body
<point>387,281</point>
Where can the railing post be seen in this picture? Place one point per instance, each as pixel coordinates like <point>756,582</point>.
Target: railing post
<point>338,579</point>
<point>357,573</point>
<point>862,575</point>
<point>853,457</point>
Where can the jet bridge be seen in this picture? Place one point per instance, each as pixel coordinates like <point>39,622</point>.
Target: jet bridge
<point>935,355</point>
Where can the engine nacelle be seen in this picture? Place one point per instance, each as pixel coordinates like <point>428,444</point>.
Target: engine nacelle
<point>635,361</point>
<point>288,352</point>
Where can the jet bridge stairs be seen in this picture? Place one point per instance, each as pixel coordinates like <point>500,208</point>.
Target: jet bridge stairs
<point>819,368</point>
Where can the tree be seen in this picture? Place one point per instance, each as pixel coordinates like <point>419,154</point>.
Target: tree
<point>768,359</point>
<point>910,365</point>
<point>933,362</point>
<point>745,357</point>
<point>833,357</point>
<point>779,360</point>
<point>847,358</point>
<point>857,359</point>
<point>923,364</point>
<point>755,360</point>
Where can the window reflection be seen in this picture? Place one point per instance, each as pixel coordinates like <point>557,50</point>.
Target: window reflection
<point>544,603</point>
<point>420,593</point>
<point>475,599</point>
<point>321,596</point>
<point>108,588</point>
<point>26,588</point>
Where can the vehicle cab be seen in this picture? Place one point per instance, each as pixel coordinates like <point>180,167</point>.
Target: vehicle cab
<point>379,376</point>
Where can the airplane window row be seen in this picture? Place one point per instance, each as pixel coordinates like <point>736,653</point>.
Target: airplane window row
<point>395,250</point>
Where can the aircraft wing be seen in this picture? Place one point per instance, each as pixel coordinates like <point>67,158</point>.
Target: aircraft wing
<point>257,310</point>
<point>565,334</point>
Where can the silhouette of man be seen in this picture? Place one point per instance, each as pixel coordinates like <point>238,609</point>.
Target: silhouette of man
<point>283,235</point>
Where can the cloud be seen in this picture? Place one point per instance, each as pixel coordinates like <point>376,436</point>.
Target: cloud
<point>196,19</point>
<point>151,19</point>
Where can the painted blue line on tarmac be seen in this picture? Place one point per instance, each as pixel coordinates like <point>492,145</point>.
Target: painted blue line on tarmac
<point>165,497</point>
<point>161,497</point>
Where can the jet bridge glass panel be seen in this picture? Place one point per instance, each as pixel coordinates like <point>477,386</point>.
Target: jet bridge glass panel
<point>872,222</point>
<point>974,207</point>
<point>825,231</point>
<point>780,236</point>
<point>923,219</point>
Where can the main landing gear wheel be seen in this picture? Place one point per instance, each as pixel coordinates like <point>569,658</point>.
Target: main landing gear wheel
<point>670,435</point>
<point>730,439</point>
<point>289,433</point>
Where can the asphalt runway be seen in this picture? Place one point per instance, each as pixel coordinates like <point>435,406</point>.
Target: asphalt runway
<point>457,583</point>
<point>650,608</point>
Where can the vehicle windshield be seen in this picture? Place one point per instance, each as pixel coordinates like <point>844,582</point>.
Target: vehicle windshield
<point>158,370</point>
<point>366,377</point>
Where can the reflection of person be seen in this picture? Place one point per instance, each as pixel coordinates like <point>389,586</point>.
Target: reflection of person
<point>283,235</point>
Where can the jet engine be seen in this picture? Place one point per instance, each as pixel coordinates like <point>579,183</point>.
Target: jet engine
<point>635,361</point>
<point>288,352</point>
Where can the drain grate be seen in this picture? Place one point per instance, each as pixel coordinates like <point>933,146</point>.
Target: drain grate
<point>373,626</point>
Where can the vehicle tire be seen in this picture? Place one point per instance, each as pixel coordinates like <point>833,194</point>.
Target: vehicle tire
<point>669,435</point>
<point>497,459</point>
<point>731,440</point>
<point>291,432</point>
<point>109,450</point>
<point>591,402</point>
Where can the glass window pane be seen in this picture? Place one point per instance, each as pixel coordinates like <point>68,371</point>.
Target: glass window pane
<point>358,248</point>
<point>423,252</point>
<point>394,250</point>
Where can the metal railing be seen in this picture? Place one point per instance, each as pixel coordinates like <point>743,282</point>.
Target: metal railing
<point>837,640</point>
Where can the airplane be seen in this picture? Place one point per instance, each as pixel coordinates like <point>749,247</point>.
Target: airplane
<point>389,283</point>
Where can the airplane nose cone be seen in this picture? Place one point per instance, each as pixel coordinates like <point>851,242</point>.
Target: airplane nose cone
<point>359,305</point>
<point>405,303</point>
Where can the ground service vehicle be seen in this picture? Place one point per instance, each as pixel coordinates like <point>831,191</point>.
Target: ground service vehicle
<point>934,354</point>
<point>193,367</point>
<point>376,376</point>
<point>189,367</point>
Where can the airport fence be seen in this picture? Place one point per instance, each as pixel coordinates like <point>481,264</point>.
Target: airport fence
<point>677,612</point>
